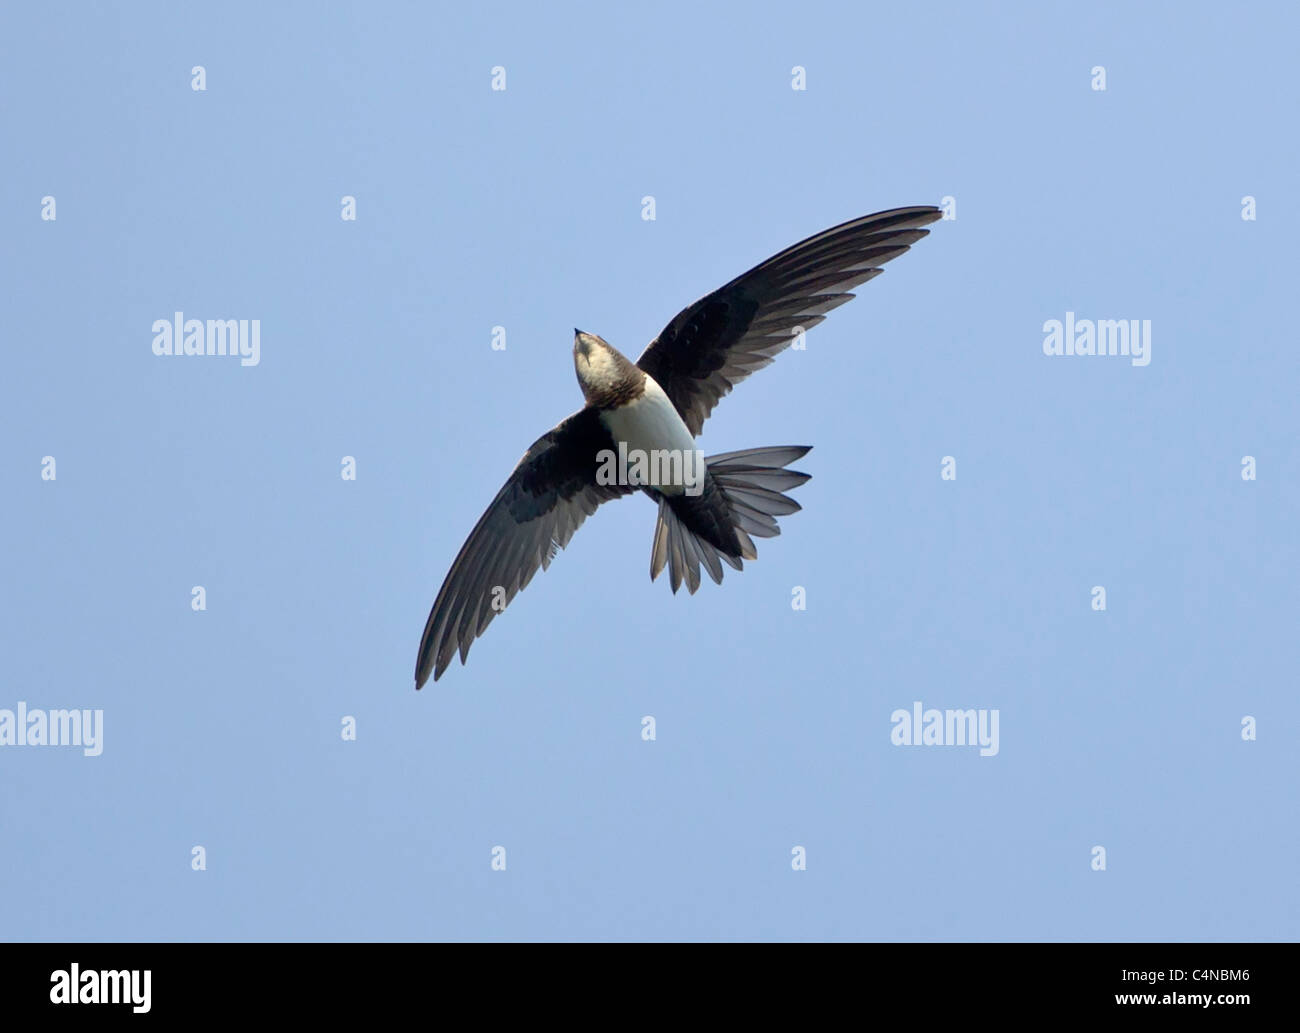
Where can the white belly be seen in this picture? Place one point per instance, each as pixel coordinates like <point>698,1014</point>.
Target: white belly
<point>651,426</point>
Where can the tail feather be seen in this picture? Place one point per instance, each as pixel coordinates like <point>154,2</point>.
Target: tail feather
<point>761,500</point>
<point>752,482</point>
<point>755,523</point>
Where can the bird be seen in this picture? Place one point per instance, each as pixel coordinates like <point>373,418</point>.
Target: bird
<point>709,509</point>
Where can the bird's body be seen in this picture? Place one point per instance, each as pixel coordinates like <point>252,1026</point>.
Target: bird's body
<point>650,423</point>
<point>651,410</point>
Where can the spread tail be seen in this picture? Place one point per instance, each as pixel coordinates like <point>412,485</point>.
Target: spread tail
<point>750,483</point>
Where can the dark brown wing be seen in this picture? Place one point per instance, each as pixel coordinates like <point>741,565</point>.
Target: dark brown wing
<point>547,497</point>
<point>714,344</point>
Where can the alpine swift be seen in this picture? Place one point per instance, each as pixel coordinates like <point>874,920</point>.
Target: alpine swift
<point>709,511</point>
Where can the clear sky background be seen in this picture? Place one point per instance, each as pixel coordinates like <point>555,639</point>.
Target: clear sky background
<point>522,208</point>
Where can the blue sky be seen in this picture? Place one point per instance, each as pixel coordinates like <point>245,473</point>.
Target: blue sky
<point>522,208</point>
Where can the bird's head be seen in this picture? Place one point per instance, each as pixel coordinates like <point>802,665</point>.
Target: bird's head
<point>603,373</point>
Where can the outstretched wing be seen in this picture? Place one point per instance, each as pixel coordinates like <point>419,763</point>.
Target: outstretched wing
<point>714,344</point>
<point>548,496</point>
